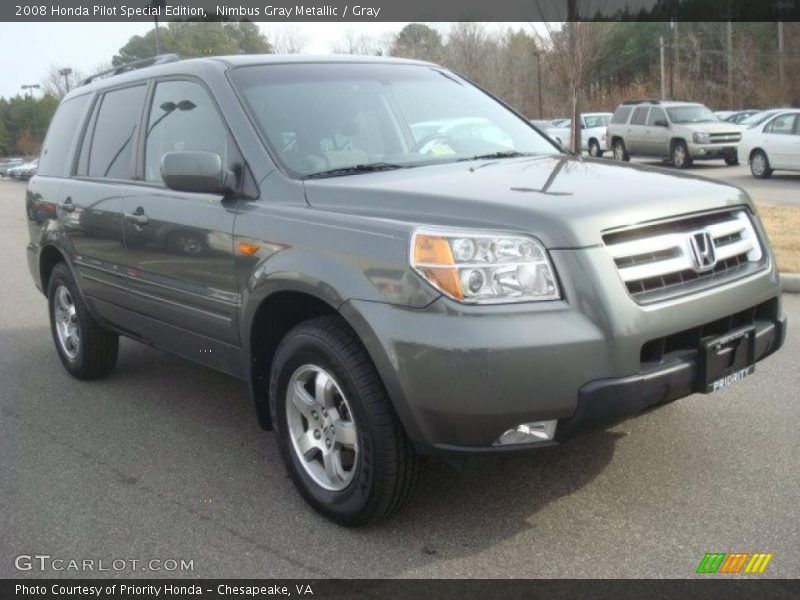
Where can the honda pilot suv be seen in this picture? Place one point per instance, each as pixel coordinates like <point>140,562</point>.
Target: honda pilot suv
<point>681,132</point>
<point>386,290</point>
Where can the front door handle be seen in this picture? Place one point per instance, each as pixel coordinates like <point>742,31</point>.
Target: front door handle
<point>67,205</point>
<point>137,217</point>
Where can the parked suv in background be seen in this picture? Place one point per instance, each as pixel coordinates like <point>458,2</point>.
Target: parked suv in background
<point>385,288</point>
<point>679,131</point>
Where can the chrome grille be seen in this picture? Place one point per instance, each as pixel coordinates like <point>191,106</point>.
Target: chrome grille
<point>732,137</point>
<point>662,260</point>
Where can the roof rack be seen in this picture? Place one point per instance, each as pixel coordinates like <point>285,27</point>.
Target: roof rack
<point>132,66</point>
<point>649,101</point>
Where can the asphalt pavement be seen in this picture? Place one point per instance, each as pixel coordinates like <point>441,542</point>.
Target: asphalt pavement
<point>164,460</point>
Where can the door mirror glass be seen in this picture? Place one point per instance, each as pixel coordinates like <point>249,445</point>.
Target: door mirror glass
<point>194,171</point>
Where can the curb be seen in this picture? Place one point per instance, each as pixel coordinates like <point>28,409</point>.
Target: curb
<point>790,283</point>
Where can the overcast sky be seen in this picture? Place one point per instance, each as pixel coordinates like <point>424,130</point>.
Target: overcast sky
<point>29,50</point>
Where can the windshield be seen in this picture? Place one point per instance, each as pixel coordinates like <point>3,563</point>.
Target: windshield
<point>596,120</point>
<point>691,114</point>
<point>758,118</point>
<point>333,117</point>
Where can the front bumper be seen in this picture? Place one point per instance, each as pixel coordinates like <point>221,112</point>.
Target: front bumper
<point>712,151</point>
<point>459,376</point>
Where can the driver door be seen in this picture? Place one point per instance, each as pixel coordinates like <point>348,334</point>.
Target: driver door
<point>179,245</point>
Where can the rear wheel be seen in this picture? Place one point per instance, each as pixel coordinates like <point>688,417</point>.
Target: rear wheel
<point>594,149</point>
<point>335,426</point>
<point>759,165</point>
<point>731,161</point>
<point>86,350</point>
<point>620,153</point>
<point>680,155</point>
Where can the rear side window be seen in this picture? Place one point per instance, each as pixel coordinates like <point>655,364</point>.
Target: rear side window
<point>621,115</point>
<point>182,118</point>
<point>110,154</point>
<point>639,116</point>
<point>55,159</point>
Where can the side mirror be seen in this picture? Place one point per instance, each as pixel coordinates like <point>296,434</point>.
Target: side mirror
<point>195,172</point>
<point>661,123</point>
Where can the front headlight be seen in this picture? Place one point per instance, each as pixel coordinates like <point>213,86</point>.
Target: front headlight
<point>483,267</point>
<point>702,138</point>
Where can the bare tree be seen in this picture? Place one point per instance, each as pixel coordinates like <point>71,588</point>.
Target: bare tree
<point>60,80</point>
<point>574,51</point>
<point>288,39</point>
<point>353,43</point>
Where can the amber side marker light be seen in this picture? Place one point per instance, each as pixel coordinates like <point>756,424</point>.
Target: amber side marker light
<point>248,249</point>
<point>433,256</point>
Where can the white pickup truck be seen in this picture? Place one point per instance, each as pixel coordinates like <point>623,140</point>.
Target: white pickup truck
<point>593,133</point>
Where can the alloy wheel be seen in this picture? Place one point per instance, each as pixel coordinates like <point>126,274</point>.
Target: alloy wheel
<point>66,320</point>
<point>322,427</point>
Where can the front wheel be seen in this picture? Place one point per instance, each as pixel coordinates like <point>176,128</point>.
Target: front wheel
<point>86,350</point>
<point>680,156</point>
<point>339,438</point>
<point>759,165</point>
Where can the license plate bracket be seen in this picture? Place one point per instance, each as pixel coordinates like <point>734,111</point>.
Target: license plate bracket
<point>726,359</point>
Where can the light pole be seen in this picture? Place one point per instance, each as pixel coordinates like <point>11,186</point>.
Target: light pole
<point>30,87</point>
<point>539,81</point>
<point>65,73</point>
<point>157,5</point>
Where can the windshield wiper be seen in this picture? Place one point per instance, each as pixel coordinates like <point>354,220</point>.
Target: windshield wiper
<point>501,154</point>
<point>355,169</point>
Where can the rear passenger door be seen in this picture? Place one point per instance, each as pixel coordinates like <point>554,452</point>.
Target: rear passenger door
<point>92,202</point>
<point>179,245</point>
<point>637,141</point>
<point>656,136</point>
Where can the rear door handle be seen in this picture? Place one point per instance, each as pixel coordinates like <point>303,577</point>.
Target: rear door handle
<point>67,205</point>
<point>137,217</point>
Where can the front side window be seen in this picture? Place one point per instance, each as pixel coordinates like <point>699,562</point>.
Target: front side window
<point>693,113</point>
<point>782,125</point>
<point>322,117</point>
<point>114,133</point>
<point>182,118</point>
<point>656,114</point>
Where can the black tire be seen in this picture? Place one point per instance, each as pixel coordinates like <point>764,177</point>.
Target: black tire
<point>594,149</point>
<point>387,468</point>
<point>620,152</point>
<point>680,155</point>
<point>759,165</point>
<point>731,161</point>
<point>95,354</point>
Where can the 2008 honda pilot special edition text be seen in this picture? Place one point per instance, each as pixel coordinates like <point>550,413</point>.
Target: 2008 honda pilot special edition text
<point>394,261</point>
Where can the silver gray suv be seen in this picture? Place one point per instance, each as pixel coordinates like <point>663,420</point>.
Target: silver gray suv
<point>679,131</point>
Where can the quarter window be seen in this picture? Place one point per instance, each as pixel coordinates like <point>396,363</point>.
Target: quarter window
<point>182,118</point>
<point>639,116</point>
<point>111,151</point>
<point>55,158</point>
<point>621,115</point>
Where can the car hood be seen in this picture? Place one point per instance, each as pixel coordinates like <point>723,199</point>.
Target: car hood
<point>565,201</point>
<point>712,127</point>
